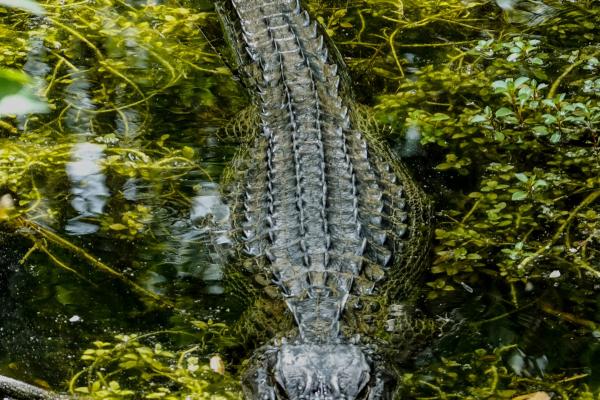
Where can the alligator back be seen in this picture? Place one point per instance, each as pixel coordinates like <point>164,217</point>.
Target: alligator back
<point>320,206</point>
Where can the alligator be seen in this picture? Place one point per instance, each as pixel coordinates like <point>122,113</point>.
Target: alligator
<point>334,226</point>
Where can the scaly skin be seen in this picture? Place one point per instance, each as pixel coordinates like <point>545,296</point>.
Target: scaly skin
<point>321,208</point>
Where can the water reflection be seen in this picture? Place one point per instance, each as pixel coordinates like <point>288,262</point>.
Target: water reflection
<point>211,215</point>
<point>78,118</point>
<point>36,66</point>
<point>412,143</point>
<point>37,69</point>
<point>209,205</point>
<point>48,313</point>
<point>128,121</point>
<point>130,189</point>
<point>196,244</point>
<point>526,12</point>
<point>88,187</point>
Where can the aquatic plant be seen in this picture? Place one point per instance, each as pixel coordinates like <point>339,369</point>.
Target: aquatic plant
<point>511,124</point>
<point>130,367</point>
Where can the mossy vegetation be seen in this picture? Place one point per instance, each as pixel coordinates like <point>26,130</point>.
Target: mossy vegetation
<point>494,104</point>
<point>129,367</point>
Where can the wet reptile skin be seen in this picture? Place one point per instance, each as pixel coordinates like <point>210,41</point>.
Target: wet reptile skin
<point>331,222</point>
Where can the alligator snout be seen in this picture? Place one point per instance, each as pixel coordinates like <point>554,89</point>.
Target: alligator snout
<point>307,371</point>
<point>318,372</point>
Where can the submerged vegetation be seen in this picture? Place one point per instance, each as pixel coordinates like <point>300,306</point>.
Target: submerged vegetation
<point>494,104</point>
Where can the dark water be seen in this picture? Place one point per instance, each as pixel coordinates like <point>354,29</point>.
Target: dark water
<point>49,314</point>
<point>132,187</point>
<point>149,222</point>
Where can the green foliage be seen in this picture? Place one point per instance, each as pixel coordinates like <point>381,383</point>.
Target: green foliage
<point>484,374</point>
<point>375,36</point>
<point>511,123</point>
<point>142,86</point>
<point>133,367</point>
<point>16,97</point>
<point>534,206</point>
<point>106,71</point>
<point>23,163</point>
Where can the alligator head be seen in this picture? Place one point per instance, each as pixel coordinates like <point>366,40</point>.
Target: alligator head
<point>332,371</point>
<point>307,371</point>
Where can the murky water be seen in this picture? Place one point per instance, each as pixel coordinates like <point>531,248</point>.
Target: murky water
<point>148,225</point>
<point>49,313</point>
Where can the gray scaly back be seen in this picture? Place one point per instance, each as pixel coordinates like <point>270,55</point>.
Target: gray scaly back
<point>324,210</point>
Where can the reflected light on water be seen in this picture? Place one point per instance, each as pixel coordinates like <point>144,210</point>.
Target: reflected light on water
<point>88,187</point>
<point>211,216</point>
<point>412,142</point>
<point>194,246</point>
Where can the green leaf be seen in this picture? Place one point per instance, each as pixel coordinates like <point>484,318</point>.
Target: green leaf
<point>128,364</point>
<point>444,166</point>
<point>117,227</point>
<point>478,118</point>
<point>525,93</point>
<point>27,5</point>
<point>521,80</point>
<point>536,61</point>
<point>555,138</point>
<point>540,130</point>
<point>156,395</point>
<point>499,86</point>
<point>503,112</point>
<point>549,119</point>
<point>12,81</point>
<point>549,103</point>
<point>188,152</point>
<point>15,97</point>
<point>439,117</point>
<point>518,196</point>
<point>200,324</point>
<point>522,177</point>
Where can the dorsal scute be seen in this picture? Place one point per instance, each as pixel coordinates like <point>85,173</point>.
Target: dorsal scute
<point>325,206</point>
